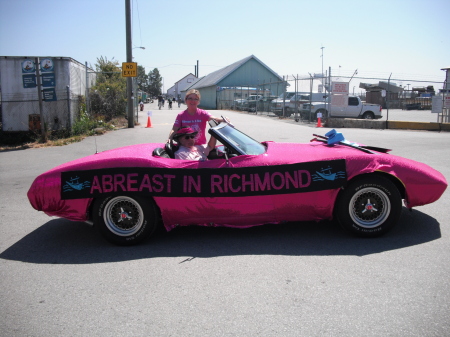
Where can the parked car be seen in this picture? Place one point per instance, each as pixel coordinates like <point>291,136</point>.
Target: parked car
<point>297,101</point>
<point>250,104</point>
<point>128,192</point>
<point>281,103</point>
<point>237,104</point>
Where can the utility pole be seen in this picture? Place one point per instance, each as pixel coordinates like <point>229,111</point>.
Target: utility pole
<point>87,88</point>
<point>387,100</point>
<point>129,59</point>
<point>41,108</point>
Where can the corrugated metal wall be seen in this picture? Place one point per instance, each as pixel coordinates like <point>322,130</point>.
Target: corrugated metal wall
<point>208,100</point>
<point>18,103</point>
<point>250,74</point>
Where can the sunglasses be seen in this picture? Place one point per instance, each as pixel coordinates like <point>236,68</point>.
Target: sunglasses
<point>189,137</point>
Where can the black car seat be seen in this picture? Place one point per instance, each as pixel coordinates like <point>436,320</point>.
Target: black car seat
<point>160,152</point>
<point>171,148</point>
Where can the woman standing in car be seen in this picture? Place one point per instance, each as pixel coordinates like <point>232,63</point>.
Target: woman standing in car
<point>193,117</point>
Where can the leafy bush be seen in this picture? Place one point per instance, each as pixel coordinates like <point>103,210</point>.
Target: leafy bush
<point>108,95</point>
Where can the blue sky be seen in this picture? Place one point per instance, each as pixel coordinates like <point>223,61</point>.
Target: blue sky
<point>408,38</point>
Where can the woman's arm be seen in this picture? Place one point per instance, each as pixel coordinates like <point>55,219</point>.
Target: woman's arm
<point>217,119</point>
<point>220,119</point>
<point>211,145</point>
<point>171,134</point>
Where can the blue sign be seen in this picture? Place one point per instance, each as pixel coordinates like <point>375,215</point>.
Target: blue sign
<point>29,81</point>
<point>49,95</point>
<point>48,80</point>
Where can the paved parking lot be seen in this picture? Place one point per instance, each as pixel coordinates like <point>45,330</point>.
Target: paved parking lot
<point>59,278</point>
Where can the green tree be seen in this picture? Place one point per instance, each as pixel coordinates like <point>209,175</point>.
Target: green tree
<point>155,82</point>
<point>108,95</point>
<point>142,79</point>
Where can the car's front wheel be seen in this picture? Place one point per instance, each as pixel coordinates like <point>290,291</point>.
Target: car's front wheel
<point>369,206</point>
<point>125,220</point>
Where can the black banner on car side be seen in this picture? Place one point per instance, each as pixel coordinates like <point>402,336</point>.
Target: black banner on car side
<point>205,182</point>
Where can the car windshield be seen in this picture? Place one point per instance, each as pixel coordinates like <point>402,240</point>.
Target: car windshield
<point>238,141</point>
<point>286,95</point>
<point>300,97</point>
<point>289,95</point>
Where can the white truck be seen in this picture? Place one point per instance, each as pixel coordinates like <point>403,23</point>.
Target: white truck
<point>355,109</point>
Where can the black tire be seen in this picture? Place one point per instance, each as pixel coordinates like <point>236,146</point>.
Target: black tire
<point>124,220</point>
<point>368,115</point>
<point>369,206</point>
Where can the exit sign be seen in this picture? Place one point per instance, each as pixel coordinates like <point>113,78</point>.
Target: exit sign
<point>129,69</point>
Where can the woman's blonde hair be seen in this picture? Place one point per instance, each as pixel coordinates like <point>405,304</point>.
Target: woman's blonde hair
<point>193,91</point>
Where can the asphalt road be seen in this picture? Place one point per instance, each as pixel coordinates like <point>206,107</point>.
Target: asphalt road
<point>59,278</point>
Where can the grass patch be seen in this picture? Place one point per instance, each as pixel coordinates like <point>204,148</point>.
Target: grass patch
<point>10,141</point>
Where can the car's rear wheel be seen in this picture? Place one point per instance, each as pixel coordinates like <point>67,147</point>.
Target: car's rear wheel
<point>125,220</point>
<point>369,206</point>
<point>368,115</point>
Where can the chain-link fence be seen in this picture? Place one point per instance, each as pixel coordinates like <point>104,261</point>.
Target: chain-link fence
<point>302,90</point>
<point>249,98</point>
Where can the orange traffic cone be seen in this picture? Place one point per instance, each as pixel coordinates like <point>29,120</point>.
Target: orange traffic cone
<point>149,122</point>
<point>319,124</point>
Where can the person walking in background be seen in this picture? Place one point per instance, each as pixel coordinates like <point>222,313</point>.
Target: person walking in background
<point>160,101</point>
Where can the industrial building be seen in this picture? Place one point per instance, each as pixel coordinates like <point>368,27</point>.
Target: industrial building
<point>249,73</point>
<point>62,82</point>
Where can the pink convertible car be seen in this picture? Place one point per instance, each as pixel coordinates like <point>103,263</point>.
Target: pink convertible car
<point>128,192</point>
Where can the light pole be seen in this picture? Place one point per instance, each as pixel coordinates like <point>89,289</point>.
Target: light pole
<point>129,60</point>
<point>322,61</point>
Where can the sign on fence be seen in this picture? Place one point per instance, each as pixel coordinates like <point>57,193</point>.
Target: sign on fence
<point>49,94</point>
<point>447,102</point>
<point>339,94</point>
<point>339,88</point>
